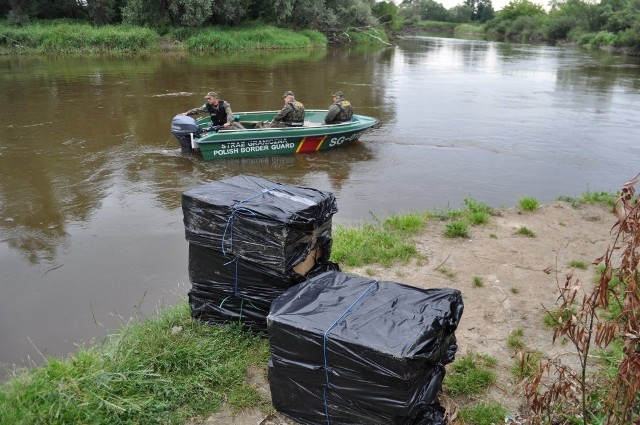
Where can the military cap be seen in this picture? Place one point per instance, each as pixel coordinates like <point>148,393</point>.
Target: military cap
<point>211,94</point>
<point>338,93</point>
<point>287,93</point>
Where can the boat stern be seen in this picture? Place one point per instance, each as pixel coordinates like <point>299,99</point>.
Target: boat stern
<point>184,129</point>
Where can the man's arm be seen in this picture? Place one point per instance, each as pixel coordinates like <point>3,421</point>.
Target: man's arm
<point>331,114</point>
<point>195,111</point>
<point>227,109</point>
<point>283,113</point>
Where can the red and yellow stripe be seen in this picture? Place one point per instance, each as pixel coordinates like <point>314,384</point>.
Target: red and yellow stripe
<point>310,144</point>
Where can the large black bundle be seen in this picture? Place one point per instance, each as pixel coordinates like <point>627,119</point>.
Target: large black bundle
<point>259,220</point>
<point>353,350</point>
<point>228,289</point>
<point>310,403</point>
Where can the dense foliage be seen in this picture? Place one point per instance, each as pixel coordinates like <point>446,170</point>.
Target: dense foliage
<point>313,14</point>
<point>613,23</point>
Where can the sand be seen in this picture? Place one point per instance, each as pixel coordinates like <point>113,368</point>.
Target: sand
<point>519,276</point>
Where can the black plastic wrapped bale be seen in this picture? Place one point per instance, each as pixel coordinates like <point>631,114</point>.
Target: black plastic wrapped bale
<point>259,220</point>
<point>228,289</point>
<point>350,350</point>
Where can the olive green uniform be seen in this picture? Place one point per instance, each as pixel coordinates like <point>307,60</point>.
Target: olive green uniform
<point>339,112</point>
<point>227,109</point>
<point>291,115</point>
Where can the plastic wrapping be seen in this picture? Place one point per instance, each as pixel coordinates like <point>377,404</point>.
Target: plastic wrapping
<point>250,239</point>
<point>224,288</point>
<point>351,350</point>
<point>259,220</point>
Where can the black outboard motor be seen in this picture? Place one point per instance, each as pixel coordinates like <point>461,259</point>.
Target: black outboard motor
<point>184,128</point>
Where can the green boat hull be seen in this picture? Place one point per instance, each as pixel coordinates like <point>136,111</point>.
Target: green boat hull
<point>250,142</point>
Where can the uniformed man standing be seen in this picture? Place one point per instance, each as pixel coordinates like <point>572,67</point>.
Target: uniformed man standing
<point>219,110</point>
<point>340,110</point>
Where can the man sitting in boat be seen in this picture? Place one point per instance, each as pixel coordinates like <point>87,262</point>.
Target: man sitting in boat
<point>219,110</point>
<point>339,111</point>
<point>291,114</point>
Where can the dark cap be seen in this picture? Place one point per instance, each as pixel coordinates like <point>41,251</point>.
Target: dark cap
<point>338,93</point>
<point>211,94</point>
<point>287,93</point>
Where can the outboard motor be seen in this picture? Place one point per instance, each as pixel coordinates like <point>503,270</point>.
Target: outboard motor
<point>184,129</point>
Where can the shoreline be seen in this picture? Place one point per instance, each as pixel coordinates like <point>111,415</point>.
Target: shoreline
<point>516,287</point>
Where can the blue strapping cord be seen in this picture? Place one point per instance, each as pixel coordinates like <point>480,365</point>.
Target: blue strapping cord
<point>235,208</point>
<point>324,347</point>
<point>229,226</point>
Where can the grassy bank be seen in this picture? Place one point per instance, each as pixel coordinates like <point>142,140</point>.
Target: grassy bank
<point>164,370</point>
<point>170,368</point>
<point>70,37</point>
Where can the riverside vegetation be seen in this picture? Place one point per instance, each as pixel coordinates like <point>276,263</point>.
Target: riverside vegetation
<point>169,368</point>
<point>202,25</point>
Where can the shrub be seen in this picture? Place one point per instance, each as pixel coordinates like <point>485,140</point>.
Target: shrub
<point>559,28</point>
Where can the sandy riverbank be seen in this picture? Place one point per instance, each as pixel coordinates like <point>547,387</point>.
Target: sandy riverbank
<point>516,285</point>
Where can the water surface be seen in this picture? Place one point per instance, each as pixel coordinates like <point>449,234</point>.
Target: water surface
<point>90,178</point>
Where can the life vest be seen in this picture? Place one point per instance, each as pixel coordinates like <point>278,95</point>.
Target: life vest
<point>218,113</point>
<point>295,118</point>
<point>346,111</point>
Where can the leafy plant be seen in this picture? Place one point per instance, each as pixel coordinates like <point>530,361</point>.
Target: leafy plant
<point>566,390</point>
<point>526,363</point>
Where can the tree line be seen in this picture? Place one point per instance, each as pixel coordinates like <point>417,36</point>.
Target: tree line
<point>313,14</point>
<point>610,22</point>
<point>614,23</point>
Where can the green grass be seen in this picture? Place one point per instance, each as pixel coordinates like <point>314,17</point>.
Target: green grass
<point>70,37</point>
<point>384,243</point>
<point>524,231</point>
<point>447,272</point>
<point>526,366</point>
<point>266,37</point>
<point>483,413</point>
<point>514,340</point>
<point>514,290</point>
<point>469,29</point>
<point>457,229</point>
<point>558,317</point>
<point>470,374</point>
<point>477,282</point>
<point>145,374</point>
<point>592,198</point>
<point>528,204</point>
<point>578,264</point>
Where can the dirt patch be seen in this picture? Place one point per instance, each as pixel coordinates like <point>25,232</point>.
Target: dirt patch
<point>519,275</point>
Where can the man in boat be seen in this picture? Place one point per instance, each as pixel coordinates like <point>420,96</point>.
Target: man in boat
<point>219,110</point>
<point>291,114</point>
<point>340,110</point>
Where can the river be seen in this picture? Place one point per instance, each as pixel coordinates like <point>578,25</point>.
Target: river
<point>91,230</point>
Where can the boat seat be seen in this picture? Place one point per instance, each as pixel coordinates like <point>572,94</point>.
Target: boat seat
<point>312,124</point>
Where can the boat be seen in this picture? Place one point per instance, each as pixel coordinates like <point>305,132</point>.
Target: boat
<point>212,143</point>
